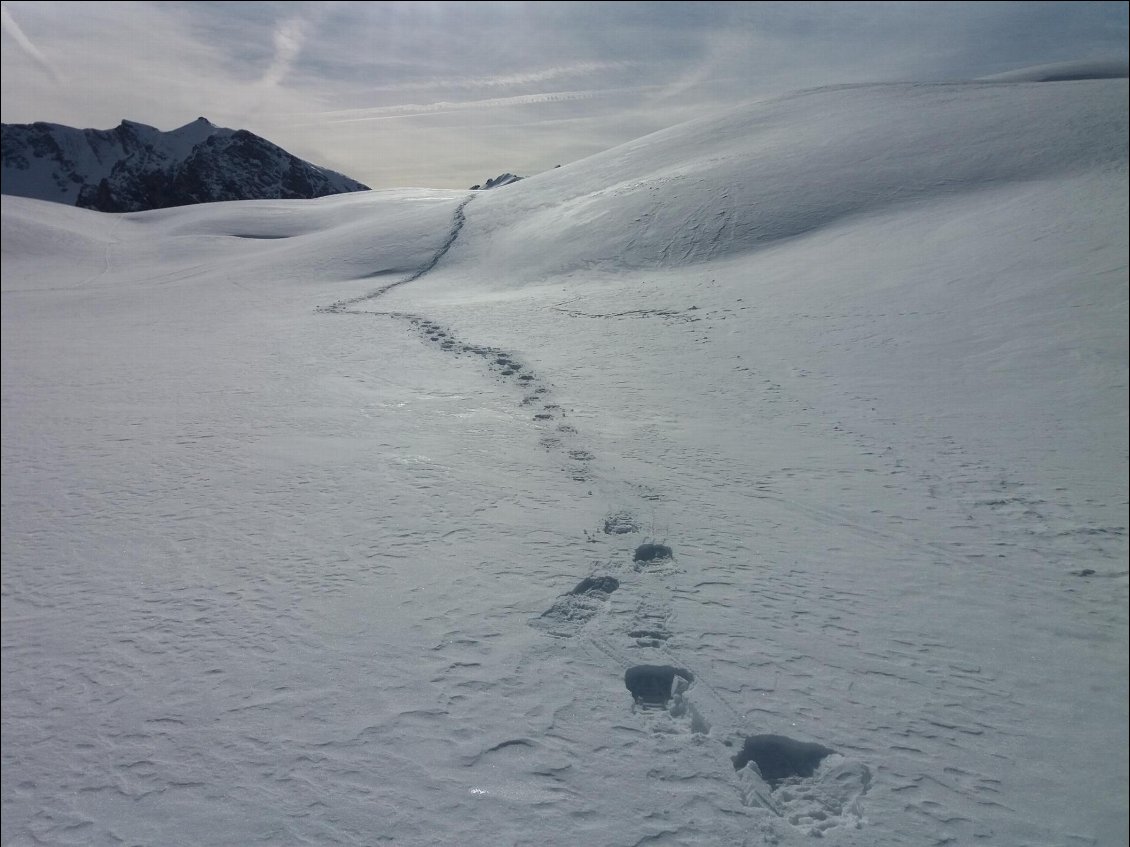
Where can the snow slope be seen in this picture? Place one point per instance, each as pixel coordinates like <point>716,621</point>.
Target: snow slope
<point>299,498</point>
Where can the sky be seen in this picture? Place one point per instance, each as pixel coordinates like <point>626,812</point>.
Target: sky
<point>447,95</point>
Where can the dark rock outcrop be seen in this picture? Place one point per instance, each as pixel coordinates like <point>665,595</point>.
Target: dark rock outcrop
<point>497,182</point>
<point>135,167</point>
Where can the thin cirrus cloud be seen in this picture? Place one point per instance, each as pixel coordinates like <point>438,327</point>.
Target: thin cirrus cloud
<point>13,31</point>
<point>446,94</point>
<point>410,109</point>
<point>512,79</point>
<point>288,39</point>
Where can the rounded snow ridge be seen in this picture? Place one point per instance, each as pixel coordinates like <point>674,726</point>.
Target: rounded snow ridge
<point>1065,71</point>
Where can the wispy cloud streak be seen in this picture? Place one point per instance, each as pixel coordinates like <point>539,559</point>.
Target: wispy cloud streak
<point>12,29</point>
<point>289,37</point>
<point>514,79</point>
<point>440,94</point>
<point>409,109</point>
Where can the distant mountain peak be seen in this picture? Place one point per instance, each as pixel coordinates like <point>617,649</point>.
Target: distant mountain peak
<point>497,182</point>
<point>135,167</point>
<point>200,124</point>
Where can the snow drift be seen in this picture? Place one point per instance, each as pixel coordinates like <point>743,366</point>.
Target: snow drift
<point>787,167</point>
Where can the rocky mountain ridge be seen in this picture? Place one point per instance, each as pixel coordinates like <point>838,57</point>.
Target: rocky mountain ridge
<point>135,167</point>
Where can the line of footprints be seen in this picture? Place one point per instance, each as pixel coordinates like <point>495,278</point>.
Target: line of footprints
<point>810,786</point>
<point>537,394</point>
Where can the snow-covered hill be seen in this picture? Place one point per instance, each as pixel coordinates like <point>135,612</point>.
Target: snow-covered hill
<point>346,522</point>
<point>135,167</point>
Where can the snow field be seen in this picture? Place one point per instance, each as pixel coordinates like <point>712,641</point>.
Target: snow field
<point>285,562</point>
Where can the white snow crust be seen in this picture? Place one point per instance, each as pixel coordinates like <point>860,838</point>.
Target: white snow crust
<point>298,496</point>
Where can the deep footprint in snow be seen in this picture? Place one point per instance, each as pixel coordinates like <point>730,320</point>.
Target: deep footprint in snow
<point>778,757</point>
<point>591,584</point>
<point>653,558</point>
<point>660,692</point>
<point>811,786</point>
<point>653,553</point>
<point>575,609</point>
<point>655,685</point>
<point>621,523</point>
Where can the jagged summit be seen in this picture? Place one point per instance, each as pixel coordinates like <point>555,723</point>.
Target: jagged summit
<point>134,166</point>
<point>497,182</point>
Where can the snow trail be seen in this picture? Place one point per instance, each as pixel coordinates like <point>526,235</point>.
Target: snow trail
<point>549,552</point>
<point>813,801</point>
<point>457,221</point>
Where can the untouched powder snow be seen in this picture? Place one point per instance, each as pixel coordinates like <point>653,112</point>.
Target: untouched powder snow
<point>762,479</point>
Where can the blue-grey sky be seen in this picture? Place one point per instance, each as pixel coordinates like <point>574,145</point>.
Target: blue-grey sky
<point>449,94</point>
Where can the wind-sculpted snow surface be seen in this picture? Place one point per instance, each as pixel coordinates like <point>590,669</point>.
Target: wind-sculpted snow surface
<point>458,219</point>
<point>601,531</point>
<point>783,168</point>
